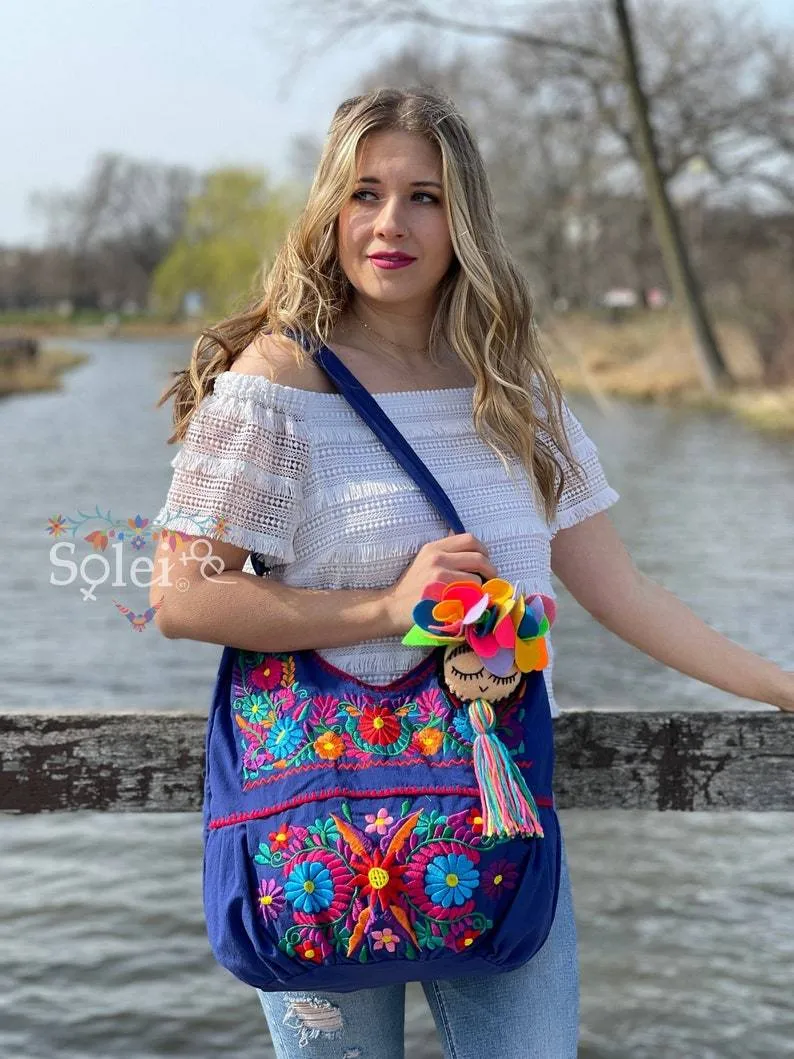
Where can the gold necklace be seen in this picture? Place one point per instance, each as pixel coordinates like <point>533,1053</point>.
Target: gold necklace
<point>389,341</point>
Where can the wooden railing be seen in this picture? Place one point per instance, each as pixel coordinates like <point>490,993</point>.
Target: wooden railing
<point>154,761</point>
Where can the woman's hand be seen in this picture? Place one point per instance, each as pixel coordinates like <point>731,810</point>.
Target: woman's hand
<point>454,558</point>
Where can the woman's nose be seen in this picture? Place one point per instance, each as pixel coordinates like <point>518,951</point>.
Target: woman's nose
<point>390,224</point>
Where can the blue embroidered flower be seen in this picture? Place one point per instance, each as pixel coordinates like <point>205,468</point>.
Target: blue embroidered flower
<point>462,726</point>
<point>284,737</point>
<point>309,887</point>
<point>450,879</point>
<point>254,707</point>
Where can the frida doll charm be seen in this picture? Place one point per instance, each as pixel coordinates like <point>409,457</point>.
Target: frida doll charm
<point>491,636</point>
<point>467,678</point>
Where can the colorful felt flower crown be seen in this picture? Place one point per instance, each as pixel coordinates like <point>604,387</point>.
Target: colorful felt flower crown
<point>502,627</point>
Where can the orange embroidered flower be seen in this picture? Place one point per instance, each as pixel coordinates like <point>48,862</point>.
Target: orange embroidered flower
<point>428,740</point>
<point>329,746</point>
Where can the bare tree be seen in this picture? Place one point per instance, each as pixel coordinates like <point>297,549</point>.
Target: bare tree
<point>606,64</point>
<point>713,369</point>
<point>118,226</point>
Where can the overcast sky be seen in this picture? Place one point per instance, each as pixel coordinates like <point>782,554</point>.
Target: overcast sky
<point>199,82</point>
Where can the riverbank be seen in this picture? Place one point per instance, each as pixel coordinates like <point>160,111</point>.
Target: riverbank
<point>650,357</point>
<point>647,357</point>
<point>42,373</point>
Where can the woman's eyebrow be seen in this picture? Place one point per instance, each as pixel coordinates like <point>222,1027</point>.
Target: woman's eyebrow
<point>414,183</point>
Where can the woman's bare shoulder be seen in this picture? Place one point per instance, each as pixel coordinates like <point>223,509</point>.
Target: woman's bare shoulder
<point>276,358</point>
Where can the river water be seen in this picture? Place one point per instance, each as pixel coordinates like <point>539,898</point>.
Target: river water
<point>686,921</point>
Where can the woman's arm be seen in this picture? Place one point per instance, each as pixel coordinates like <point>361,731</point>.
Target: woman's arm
<point>224,605</point>
<point>592,562</point>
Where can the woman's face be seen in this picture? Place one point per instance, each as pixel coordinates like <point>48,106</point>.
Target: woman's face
<point>396,210</point>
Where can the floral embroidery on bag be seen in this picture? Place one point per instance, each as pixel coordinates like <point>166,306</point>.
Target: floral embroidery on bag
<point>283,727</point>
<point>418,883</point>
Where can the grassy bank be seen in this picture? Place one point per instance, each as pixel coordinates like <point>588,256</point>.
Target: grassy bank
<point>42,374</point>
<point>650,357</point>
<point>44,326</point>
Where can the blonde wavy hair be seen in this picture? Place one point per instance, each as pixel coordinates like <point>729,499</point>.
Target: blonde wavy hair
<point>484,309</point>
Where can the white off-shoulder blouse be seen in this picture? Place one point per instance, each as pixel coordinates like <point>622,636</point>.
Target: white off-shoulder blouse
<point>297,477</point>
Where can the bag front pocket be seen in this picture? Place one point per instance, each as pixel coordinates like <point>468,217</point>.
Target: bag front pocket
<point>378,881</point>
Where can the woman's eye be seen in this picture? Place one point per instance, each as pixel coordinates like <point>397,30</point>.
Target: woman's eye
<point>427,198</point>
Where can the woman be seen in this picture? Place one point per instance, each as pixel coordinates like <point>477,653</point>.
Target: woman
<point>398,265</point>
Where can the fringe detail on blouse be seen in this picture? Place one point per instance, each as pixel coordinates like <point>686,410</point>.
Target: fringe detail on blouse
<point>230,469</point>
<point>585,508</point>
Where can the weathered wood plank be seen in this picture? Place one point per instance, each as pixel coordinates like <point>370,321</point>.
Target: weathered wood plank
<point>153,761</point>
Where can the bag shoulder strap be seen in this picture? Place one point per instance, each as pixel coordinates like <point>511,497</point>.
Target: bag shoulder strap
<point>373,415</point>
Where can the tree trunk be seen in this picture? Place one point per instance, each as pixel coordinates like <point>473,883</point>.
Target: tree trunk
<point>686,289</point>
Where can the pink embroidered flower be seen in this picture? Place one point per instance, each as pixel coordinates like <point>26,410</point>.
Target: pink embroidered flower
<point>267,676</point>
<point>498,877</point>
<point>254,756</point>
<point>324,711</point>
<point>378,823</point>
<point>430,704</point>
<point>384,939</point>
<point>271,899</point>
<point>286,701</point>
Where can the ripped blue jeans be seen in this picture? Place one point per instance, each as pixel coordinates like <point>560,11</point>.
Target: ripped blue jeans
<point>529,1013</point>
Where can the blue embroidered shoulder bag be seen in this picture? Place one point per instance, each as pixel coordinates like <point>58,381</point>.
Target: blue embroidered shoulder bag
<point>357,835</point>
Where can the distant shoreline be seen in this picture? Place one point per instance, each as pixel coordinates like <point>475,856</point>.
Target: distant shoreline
<point>40,375</point>
<point>646,358</point>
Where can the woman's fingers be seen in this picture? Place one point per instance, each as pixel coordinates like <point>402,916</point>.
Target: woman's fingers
<point>470,563</point>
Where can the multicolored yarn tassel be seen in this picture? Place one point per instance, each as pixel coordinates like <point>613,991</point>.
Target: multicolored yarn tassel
<point>508,808</point>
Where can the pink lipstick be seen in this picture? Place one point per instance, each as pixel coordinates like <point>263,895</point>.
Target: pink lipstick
<point>391,259</point>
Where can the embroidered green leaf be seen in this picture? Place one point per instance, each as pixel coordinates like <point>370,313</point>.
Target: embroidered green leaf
<point>304,713</point>
<point>325,830</point>
<point>410,951</point>
<point>346,812</point>
<point>363,955</point>
<point>425,936</point>
<point>405,808</point>
<point>341,937</point>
